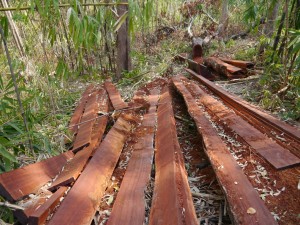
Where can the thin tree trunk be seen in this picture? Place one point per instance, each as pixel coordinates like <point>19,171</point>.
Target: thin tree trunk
<point>223,24</point>
<point>68,41</point>
<point>271,18</point>
<point>269,27</point>
<point>17,91</point>
<point>15,31</point>
<point>277,38</point>
<point>123,45</point>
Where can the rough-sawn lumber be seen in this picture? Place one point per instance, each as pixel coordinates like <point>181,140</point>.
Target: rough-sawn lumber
<point>82,201</point>
<point>239,192</point>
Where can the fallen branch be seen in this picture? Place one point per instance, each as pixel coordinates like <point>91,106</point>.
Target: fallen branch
<point>11,206</point>
<point>190,28</point>
<point>203,195</point>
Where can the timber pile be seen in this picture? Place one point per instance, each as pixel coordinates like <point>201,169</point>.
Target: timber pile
<point>213,67</point>
<point>69,188</point>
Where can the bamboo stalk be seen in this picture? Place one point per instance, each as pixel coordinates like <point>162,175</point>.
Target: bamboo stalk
<point>9,61</point>
<point>64,5</point>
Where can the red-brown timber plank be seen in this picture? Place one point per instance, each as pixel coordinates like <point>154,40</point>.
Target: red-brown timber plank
<point>30,207</point>
<point>238,63</point>
<point>80,204</point>
<point>275,154</point>
<point>129,207</point>
<point>39,216</point>
<point>238,190</point>
<point>21,182</point>
<point>83,137</point>
<point>74,167</point>
<point>247,109</point>
<point>172,201</point>
<point>79,110</point>
<point>115,96</point>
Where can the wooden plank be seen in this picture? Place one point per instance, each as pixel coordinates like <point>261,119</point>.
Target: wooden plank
<point>238,63</point>
<point>172,201</point>
<point>30,206</point>
<point>16,184</point>
<point>129,207</point>
<point>239,192</point>
<point>275,154</point>
<point>39,216</point>
<point>81,203</point>
<point>75,119</point>
<point>83,137</point>
<point>249,110</point>
<point>74,167</point>
<point>115,96</point>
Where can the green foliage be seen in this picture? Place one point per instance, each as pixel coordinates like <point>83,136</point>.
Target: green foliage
<point>294,44</point>
<point>246,54</point>
<point>4,25</point>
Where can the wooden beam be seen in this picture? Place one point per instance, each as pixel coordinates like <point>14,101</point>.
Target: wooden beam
<point>39,216</point>
<point>16,184</point>
<point>172,200</point>
<point>74,167</point>
<point>114,96</point>
<point>82,201</point>
<point>75,119</point>
<point>240,194</point>
<point>129,207</point>
<point>275,154</point>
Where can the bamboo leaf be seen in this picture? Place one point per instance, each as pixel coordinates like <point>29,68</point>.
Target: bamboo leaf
<point>6,154</point>
<point>120,21</point>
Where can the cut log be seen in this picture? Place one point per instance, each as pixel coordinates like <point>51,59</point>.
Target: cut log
<point>115,96</point>
<point>197,48</point>
<point>16,184</point>
<point>172,201</point>
<point>129,207</point>
<point>74,167</point>
<point>238,63</point>
<point>39,216</point>
<point>240,194</point>
<point>200,69</point>
<point>276,155</point>
<point>82,201</point>
<point>222,67</point>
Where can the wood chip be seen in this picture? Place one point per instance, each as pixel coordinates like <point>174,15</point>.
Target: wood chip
<point>251,211</point>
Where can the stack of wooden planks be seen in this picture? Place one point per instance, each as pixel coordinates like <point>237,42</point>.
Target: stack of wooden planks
<point>67,189</point>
